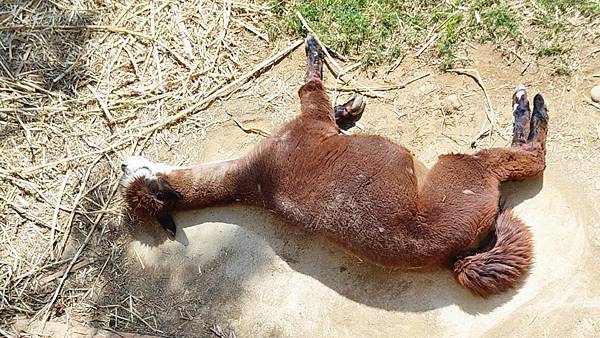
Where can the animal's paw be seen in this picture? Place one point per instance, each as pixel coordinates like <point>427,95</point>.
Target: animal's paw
<point>147,192</point>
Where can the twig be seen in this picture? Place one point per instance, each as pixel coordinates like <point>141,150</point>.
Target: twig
<point>5,334</point>
<point>118,19</point>
<point>103,105</point>
<point>426,45</point>
<point>99,28</point>
<point>396,64</point>
<point>75,204</point>
<point>217,331</point>
<point>251,29</point>
<point>249,130</point>
<point>593,104</point>
<point>56,211</point>
<point>50,304</point>
<point>69,69</point>
<point>381,88</point>
<point>336,54</point>
<point>132,312</point>
<point>525,68</point>
<point>56,274</point>
<point>187,46</point>
<point>489,112</point>
<point>474,73</point>
<point>38,269</point>
<point>597,50</point>
<point>139,258</point>
<point>26,215</point>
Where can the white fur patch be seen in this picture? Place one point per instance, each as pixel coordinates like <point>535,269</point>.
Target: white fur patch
<point>520,91</point>
<point>137,166</point>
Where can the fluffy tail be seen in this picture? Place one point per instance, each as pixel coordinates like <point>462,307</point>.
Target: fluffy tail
<point>500,268</point>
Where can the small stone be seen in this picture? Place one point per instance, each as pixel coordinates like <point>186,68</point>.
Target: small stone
<point>426,89</point>
<point>454,102</point>
<point>595,94</point>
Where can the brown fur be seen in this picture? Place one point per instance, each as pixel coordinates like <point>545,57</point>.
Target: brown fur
<point>374,198</point>
<point>496,270</point>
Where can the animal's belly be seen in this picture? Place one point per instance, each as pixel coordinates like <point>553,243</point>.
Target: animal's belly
<point>355,193</point>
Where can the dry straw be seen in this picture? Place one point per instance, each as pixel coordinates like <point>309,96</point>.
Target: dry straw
<point>82,85</point>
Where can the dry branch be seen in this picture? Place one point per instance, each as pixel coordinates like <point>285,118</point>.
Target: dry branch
<point>247,130</point>
<point>489,111</point>
<point>172,119</point>
<point>380,88</point>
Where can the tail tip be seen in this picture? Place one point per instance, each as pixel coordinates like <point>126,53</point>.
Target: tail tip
<point>500,268</point>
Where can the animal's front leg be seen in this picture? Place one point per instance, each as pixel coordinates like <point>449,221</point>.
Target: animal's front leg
<point>313,98</point>
<point>154,190</point>
<point>347,114</point>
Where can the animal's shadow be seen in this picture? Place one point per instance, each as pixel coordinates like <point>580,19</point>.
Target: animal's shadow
<point>324,261</point>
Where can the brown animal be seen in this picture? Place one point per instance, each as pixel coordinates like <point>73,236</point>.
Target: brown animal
<point>366,193</point>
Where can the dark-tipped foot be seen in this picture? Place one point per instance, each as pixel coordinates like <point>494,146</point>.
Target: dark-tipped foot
<point>539,118</point>
<point>314,61</point>
<point>539,107</point>
<point>520,101</point>
<point>347,114</point>
<point>521,114</point>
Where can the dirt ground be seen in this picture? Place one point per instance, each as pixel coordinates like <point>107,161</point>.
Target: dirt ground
<point>242,269</point>
<point>239,271</point>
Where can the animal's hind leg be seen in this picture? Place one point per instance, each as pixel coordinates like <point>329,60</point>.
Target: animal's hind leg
<point>525,158</point>
<point>522,116</point>
<point>314,62</point>
<point>539,123</point>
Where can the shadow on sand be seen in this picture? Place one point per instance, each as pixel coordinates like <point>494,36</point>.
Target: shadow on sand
<point>237,253</point>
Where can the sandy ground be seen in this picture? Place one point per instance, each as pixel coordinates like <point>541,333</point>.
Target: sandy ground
<point>244,270</point>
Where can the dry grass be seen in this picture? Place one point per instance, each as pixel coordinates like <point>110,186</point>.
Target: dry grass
<point>84,84</point>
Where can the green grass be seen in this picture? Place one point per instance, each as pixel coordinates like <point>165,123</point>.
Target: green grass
<point>370,28</point>
<point>555,40</point>
<point>379,31</point>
